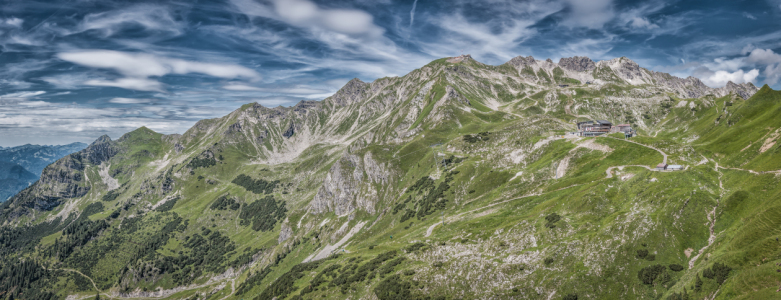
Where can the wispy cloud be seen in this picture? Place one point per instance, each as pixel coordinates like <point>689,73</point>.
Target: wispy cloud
<point>22,94</point>
<point>149,17</point>
<point>138,67</point>
<point>412,13</point>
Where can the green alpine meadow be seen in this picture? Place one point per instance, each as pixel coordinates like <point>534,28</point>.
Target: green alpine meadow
<point>532,179</point>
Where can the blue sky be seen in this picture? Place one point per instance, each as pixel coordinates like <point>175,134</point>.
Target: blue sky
<point>74,70</point>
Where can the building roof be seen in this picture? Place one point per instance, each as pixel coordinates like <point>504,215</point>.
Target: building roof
<point>624,125</point>
<point>661,165</point>
<point>603,122</point>
<point>675,166</point>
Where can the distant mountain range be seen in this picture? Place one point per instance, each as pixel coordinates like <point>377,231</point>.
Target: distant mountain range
<point>22,165</point>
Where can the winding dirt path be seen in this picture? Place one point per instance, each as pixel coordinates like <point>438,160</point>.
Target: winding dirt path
<point>609,171</point>
<point>712,238</point>
<point>644,145</point>
<point>95,286</point>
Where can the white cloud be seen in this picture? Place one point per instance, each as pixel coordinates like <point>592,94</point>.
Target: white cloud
<point>771,61</point>
<point>150,17</point>
<point>720,78</point>
<point>640,22</point>
<point>772,74</point>
<point>763,57</point>
<point>412,13</point>
<point>748,15</point>
<point>138,84</point>
<point>14,22</point>
<point>307,14</point>
<point>589,13</point>
<point>67,81</point>
<point>26,94</point>
<point>120,100</point>
<point>297,90</point>
<point>138,67</point>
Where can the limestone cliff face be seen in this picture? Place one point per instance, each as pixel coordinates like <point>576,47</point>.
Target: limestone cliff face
<point>623,70</point>
<point>62,180</point>
<point>350,185</point>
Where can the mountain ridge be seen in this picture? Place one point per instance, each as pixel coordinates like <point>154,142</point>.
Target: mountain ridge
<point>456,180</point>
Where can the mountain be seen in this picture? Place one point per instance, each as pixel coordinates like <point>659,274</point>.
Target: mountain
<point>13,178</point>
<point>18,163</point>
<point>455,181</point>
<point>36,157</point>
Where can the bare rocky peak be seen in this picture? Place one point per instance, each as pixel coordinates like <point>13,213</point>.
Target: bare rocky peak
<point>350,93</point>
<point>744,90</point>
<point>623,70</point>
<point>520,62</point>
<point>577,64</point>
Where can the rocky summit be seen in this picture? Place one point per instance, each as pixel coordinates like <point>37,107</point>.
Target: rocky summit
<point>460,180</point>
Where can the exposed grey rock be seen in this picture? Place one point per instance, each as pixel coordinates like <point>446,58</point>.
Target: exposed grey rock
<point>285,233</point>
<point>100,150</point>
<point>744,90</point>
<point>577,63</point>
<point>290,130</point>
<point>345,186</point>
<point>519,62</point>
<point>350,93</point>
<point>36,157</point>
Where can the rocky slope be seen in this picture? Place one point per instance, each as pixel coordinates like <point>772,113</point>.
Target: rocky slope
<point>36,157</point>
<point>452,181</point>
<point>27,160</point>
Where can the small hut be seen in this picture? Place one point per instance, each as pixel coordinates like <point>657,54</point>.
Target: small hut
<point>661,167</point>
<point>675,167</point>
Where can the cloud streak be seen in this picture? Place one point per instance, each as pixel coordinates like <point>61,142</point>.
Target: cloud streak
<point>138,67</point>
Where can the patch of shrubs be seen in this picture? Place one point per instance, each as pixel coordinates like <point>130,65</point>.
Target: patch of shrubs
<point>676,267</point>
<point>390,266</point>
<point>570,297</point>
<point>653,273</point>
<point>451,160</point>
<point>552,219</point>
<point>642,253</point>
<point>111,195</point>
<point>408,214</point>
<point>168,205</point>
<point>396,288</point>
<point>718,271</point>
<point>399,207</point>
<point>483,136</point>
<point>259,186</point>
<point>225,202</point>
<point>423,183</point>
<point>415,247</point>
<point>285,284</point>
<point>205,160</point>
<point>548,261</point>
<point>435,199</point>
<point>263,214</point>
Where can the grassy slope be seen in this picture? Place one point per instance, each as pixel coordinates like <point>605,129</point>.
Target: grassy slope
<point>495,240</point>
